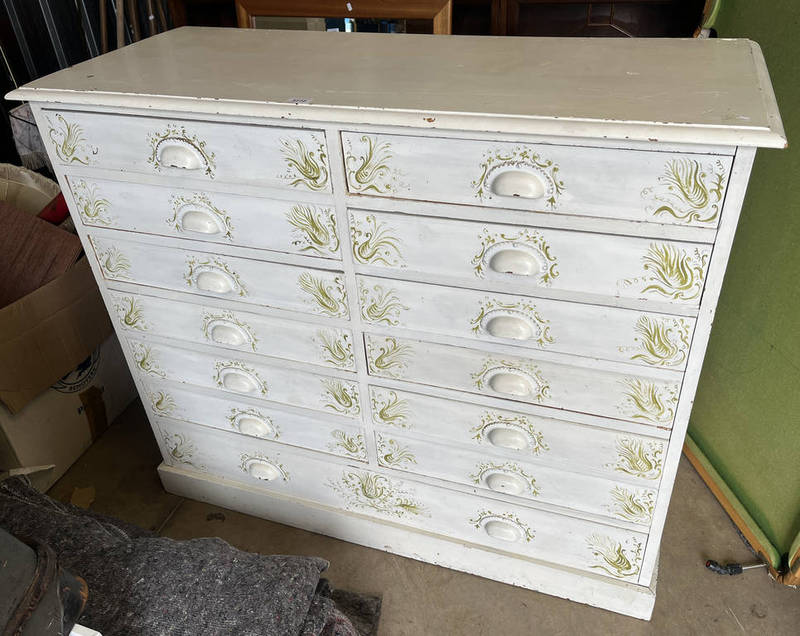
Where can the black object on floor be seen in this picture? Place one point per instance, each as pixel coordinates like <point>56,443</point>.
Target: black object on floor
<point>140,583</point>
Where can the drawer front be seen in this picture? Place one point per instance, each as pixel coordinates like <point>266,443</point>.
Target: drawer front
<point>245,280</point>
<point>656,340</point>
<point>636,396</point>
<point>264,381</point>
<point>214,217</point>
<point>236,330</point>
<point>227,413</point>
<point>520,437</point>
<point>528,258</point>
<point>290,158</point>
<point>594,547</point>
<point>587,493</point>
<point>659,187</point>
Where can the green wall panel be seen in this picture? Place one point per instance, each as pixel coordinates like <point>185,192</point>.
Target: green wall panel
<point>746,417</point>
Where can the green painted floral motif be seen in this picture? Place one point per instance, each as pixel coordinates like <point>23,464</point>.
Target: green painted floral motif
<point>113,262</point>
<point>247,460</point>
<point>181,449</point>
<point>392,454</point>
<point>485,469</point>
<point>91,206</point>
<point>388,409</point>
<point>613,557</point>
<point>660,342</point>
<point>648,401</point>
<point>352,446</point>
<point>340,396</point>
<point>524,310</point>
<point>688,191</point>
<point>491,421</point>
<point>671,272</point>
<point>129,312</point>
<point>227,318</point>
<point>196,265</point>
<point>306,167</point>
<point>374,242</point>
<point>336,348</point>
<point>486,516</point>
<point>369,170</point>
<point>638,457</point>
<point>389,359</point>
<point>527,240</point>
<point>236,415</point>
<point>174,135</point>
<point>368,491</point>
<point>519,158</point>
<point>202,202</point>
<point>524,368</point>
<point>327,299</point>
<point>379,305</point>
<point>314,230</point>
<point>146,360</point>
<point>68,141</point>
<point>163,403</point>
<point>636,505</point>
<point>225,367</point>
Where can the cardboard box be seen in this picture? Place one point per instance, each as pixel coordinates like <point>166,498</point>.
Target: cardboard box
<point>61,422</point>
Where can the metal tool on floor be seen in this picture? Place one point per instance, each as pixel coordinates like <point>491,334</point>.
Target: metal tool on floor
<point>731,569</point>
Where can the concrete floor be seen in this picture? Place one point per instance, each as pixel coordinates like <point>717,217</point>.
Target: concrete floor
<point>421,599</point>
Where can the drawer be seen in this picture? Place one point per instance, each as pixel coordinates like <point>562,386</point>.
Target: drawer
<point>656,340</point>
<point>639,396</point>
<point>526,259</point>
<point>269,381</point>
<point>312,291</point>
<point>517,436</point>
<point>658,187</point>
<point>567,541</point>
<point>232,414</point>
<point>586,493</point>
<point>236,330</point>
<point>280,226</point>
<point>290,158</point>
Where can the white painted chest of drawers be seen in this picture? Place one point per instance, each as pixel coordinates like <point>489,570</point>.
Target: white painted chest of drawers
<point>445,297</point>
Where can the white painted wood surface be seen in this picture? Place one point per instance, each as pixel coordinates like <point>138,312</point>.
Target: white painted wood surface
<point>634,393</point>
<point>244,392</point>
<point>688,91</point>
<point>235,330</point>
<point>207,274</point>
<point>539,439</point>
<point>631,185</point>
<point>597,331</point>
<point>292,226</point>
<point>535,260</point>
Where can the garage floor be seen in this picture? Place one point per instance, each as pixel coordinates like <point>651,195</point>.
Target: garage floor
<point>421,599</point>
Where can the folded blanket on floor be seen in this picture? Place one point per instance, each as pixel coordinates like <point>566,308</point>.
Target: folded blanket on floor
<point>140,583</point>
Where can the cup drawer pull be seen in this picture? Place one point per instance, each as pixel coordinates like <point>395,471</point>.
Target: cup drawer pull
<point>215,282</point>
<point>254,426</point>
<point>503,530</point>
<point>200,222</point>
<point>511,384</point>
<point>518,183</point>
<point>226,334</point>
<point>506,483</point>
<point>508,438</point>
<point>264,471</point>
<point>176,153</point>
<point>239,382</point>
<point>511,327</point>
<point>514,261</point>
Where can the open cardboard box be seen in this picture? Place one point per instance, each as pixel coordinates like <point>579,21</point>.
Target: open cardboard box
<point>62,374</point>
